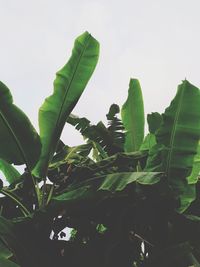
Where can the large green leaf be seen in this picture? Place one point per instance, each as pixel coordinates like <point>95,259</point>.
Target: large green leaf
<point>69,84</point>
<point>133,117</point>
<point>110,182</point>
<point>19,142</point>
<point>177,141</point>
<point>10,173</point>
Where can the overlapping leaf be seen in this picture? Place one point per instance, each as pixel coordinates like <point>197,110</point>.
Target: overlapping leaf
<point>154,121</point>
<point>110,182</point>
<point>19,142</point>
<point>10,173</point>
<point>109,140</point>
<point>177,141</point>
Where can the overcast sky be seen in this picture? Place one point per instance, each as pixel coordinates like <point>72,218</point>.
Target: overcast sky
<point>156,41</point>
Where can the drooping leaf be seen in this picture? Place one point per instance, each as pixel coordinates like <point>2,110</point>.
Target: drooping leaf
<point>177,141</point>
<point>69,84</point>
<point>11,174</point>
<point>111,182</point>
<point>75,168</point>
<point>71,155</point>
<point>19,142</point>
<point>133,117</point>
<point>117,182</point>
<point>108,140</point>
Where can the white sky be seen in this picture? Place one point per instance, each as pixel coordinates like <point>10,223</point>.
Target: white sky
<point>156,41</point>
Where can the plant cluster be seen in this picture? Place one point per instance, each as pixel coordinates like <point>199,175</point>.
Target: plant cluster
<point>131,199</point>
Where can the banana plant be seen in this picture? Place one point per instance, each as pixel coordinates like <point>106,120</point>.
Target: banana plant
<point>149,214</point>
<point>20,143</point>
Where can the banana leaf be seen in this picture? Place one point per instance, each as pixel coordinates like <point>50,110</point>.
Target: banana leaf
<point>194,175</point>
<point>10,173</point>
<point>19,142</point>
<point>133,117</point>
<point>177,141</point>
<point>154,121</point>
<point>148,143</point>
<point>71,155</point>
<point>112,183</point>
<point>109,140</point>
<point>69,84</point>
<point>13,238</point>
<point>7,263</point>
<point>5,253</point>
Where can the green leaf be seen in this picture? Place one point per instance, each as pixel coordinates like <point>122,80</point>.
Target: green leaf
<point>148,143</point>
<point>133,117</point>
<point>177,141</point>
<point>110,182</point>
<point>71,155</point>
<point>69,84</point>
<point>19,142</point>
<point>108,140</point>
<point>12,238</point>
<point>118,181</point>
<point>11,174</point>
<point>7,263</point>
<point>194,175</point>
<point>4,251</point>
<point>154,121</point>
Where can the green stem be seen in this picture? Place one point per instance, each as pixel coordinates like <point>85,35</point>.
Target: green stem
<point>50,194</point>
<point>43,193</point>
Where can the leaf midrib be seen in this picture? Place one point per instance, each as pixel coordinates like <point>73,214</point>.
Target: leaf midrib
<point>133,128</point>
<point>68,88</point>
<point>15,138</point>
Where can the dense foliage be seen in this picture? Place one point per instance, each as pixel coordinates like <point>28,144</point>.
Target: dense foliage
<point>130,199</point>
